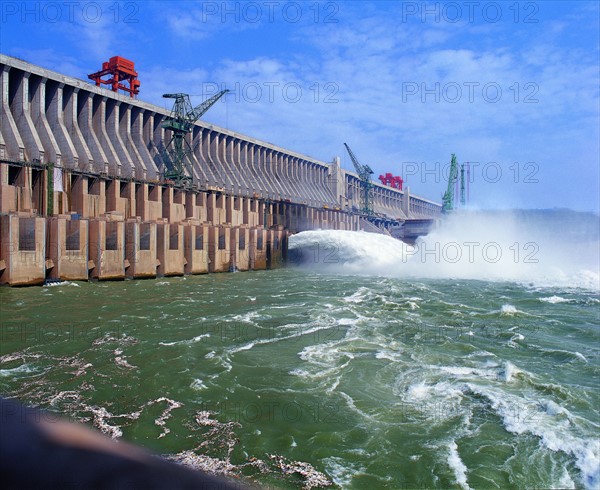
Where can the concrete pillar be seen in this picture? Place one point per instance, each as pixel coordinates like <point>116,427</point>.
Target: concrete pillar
<point>201,175</point>
<point>173,207</point>
<point>120,197</point>
<point>260,259</point>
<point>126,163</point>
<point>154,165</point>
<point>22,250</point>
<point>155,209</point>
<point>271,168</point>
<point>134,148</point>
<point>88,196</point>
<point>406,202</point>
<point>169,249</point>
<point>245,210</point>
<point>230,157</point>
<point>67,248</point>
<point>71,96</point>
<point>248,177</point>
<point>21,108</point>
<point>196,238</point>
<point>167,202</point>
<point>88,124</point>
<point>12,145</point>
<point>250,158</point>
<point>219,212</point>
<point>218,248</point>
<point>106,249</point>
<point>192,165</point>
<point>79,191</point>
<point>55,116</point>
<point>242,248</point>
<point>205,159</point>
<point>127,193</point>
<point>99,127</point>
<point>140,249</point>
<point>229,180</point>
<point>211,200</point>
<point>254,216</point>
<point>112,192</point>
<point>141,201</point>
<point>52,151</point>
<point>229,210</point>
<point>267,178</point>
<point>214,159</point>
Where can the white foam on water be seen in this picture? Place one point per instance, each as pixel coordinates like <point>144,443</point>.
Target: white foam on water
<point>457,465</point>
<point>509,371</point>
<point>22,369</point>
<point>299,333</point>
<point>191,341</point>
<point>197,384</point>
<point>566,482</point>
<point>359,296</point>
<point>325,362</point>
<point>418,391</point>
<point>246,317</point>
<point>508,310</point>
<point>60,283</point>
<point>467,372</point>
<point>466,245</point>
<point>334,385</point>
<point>552,424</point>
<point>341,471</point>
<point>575,356</point>
<point>555,299</point>
<point>388,355</point>
<point>348,251</point>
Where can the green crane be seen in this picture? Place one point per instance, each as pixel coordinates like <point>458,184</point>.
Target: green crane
<point>366,186</point>
<point>180,123</point>
<point>448,198</point>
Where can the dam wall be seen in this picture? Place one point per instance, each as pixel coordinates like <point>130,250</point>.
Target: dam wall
<point>82,194</point>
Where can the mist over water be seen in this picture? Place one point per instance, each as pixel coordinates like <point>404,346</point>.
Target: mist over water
<point>541,248</point>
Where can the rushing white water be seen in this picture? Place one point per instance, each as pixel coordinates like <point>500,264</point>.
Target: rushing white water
<point>472,245</point>
<point>556,250</point>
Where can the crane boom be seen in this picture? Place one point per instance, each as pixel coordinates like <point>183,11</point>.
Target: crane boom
<point>180,123</point>
<point>366,186</point>
<point>360,168</point>
<point>200,109</point>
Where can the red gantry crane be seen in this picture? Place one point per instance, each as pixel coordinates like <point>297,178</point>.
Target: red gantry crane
<point>120,70</point>
<point>394,181</point>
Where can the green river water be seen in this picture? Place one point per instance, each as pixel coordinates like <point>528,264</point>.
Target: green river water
<point>377,382</point>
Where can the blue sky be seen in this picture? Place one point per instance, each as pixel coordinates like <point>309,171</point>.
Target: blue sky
<point>511,87</point>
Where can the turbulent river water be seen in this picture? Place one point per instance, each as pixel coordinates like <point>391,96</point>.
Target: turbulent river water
<point>471,360</point>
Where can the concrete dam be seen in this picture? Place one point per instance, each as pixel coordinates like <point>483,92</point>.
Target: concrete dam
<point>82,193</point>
